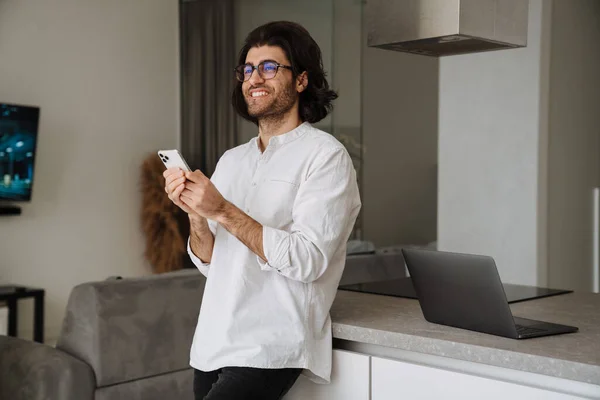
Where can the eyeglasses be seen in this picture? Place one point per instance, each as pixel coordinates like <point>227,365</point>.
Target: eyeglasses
<point>266,70</point>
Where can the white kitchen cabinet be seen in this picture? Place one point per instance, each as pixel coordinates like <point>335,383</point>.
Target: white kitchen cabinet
<point>392,380</point>
<point>350,375</point>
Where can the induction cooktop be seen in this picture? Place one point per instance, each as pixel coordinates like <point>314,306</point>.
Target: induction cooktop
<point>403,287</point>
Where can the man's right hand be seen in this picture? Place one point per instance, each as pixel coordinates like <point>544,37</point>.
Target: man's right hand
<point>174,185</point>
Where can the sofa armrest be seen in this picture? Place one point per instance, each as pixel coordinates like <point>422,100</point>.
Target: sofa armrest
<point>34,371</point>
<point>133,328</point>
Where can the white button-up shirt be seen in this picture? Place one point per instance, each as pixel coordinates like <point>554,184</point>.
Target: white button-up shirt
<point>303,191</point>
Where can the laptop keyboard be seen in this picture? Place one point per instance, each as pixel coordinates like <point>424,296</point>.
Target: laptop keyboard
<point>526,330</point>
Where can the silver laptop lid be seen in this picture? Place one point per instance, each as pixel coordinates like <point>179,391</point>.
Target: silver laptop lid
<point>460,290</point>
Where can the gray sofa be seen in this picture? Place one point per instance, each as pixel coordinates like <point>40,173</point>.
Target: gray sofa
<point>120,339</point>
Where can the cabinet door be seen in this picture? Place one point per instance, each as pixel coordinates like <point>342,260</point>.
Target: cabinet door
<point>392,380</point>
<point>349,380</point>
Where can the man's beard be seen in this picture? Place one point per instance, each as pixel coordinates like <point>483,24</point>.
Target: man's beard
<point>276,108</point>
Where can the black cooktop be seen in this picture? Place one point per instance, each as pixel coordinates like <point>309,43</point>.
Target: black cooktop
<point>403,287</point>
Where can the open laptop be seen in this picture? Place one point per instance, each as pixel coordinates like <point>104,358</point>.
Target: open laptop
<point>465,291</point>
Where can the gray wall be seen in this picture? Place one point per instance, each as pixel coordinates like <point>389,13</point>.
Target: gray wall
<point>574,141</point>
<point>106,76</point>
<point>345,79</point>
<point>492,109</point>
<point>400,124</point>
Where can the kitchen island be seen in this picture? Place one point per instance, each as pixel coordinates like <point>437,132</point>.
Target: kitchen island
<point>385,349</point>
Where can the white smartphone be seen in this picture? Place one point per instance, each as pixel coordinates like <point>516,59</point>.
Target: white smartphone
<point>172,158</point>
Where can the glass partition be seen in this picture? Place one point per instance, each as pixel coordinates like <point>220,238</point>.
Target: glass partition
<point>336,25</point>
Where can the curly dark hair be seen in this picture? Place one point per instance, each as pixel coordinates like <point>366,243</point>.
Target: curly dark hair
<point>304,55</point>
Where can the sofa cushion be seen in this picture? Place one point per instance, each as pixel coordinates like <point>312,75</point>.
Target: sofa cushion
<point>133,328</point>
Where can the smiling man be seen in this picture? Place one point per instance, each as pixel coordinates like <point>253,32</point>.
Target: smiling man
<point>269,229</point>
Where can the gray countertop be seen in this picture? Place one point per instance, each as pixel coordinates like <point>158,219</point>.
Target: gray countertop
<point>399,323</point>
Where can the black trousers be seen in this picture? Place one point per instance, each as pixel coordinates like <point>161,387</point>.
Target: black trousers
<point>244,383</point>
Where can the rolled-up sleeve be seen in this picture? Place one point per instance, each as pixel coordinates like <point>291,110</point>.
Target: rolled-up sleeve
<point>202,266</point>
<point>324,212</point>
<point>212,225</point>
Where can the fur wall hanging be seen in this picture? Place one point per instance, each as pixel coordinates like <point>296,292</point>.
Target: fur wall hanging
<point>161,220</point>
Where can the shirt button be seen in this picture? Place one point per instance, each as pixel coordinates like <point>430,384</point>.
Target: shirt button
<point>253,183</point>
<point>247,210</point>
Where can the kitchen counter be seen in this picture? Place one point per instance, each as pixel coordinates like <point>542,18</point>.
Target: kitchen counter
<point>398,323</point>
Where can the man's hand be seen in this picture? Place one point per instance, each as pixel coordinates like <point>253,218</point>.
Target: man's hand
<point>202,197</point>
<point>174,185</point>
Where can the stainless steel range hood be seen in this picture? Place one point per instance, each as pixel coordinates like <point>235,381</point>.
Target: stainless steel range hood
<point>446,27</point>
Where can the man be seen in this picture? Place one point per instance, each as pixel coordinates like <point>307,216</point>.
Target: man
<point>269,229</point>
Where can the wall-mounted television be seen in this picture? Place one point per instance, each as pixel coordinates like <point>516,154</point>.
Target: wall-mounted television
<point>18,144</point>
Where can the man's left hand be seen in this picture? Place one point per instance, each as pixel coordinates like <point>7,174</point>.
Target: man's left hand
<point>202,196</point>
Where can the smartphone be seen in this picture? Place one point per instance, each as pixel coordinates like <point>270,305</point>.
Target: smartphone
<point>172,158</point>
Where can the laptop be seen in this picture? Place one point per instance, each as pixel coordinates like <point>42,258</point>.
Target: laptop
<point>465,291</point>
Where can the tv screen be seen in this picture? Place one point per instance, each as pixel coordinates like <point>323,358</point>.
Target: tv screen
<point>18,142</point>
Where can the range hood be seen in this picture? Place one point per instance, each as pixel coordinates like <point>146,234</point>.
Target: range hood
<point>446,27</point>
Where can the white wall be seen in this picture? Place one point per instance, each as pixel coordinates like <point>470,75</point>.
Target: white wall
<point>574,141</point>
<point>490,111</point>
<point>106,76</point>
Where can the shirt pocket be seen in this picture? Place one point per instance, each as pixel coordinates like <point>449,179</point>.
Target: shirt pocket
<point>275,201</point>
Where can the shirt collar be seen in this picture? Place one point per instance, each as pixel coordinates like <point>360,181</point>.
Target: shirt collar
<point>279,140</point>
<point>291,135</point>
